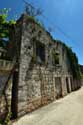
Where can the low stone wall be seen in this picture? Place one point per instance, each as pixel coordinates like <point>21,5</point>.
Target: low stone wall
<point>5,65</point>
<point>5,97</point>
<point>2,107</point>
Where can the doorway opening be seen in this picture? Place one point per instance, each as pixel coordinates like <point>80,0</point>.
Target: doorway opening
<point>71,80</point>
<point>67,84</point>
<point>58,87</point>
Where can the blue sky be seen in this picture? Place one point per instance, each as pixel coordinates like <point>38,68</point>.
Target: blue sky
<point>66,14</point>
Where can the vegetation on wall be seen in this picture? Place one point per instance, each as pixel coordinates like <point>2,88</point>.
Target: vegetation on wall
<point>35,21</point>
<point>71,55</point>
<point>6,121</point>
<point>74,65</point>
<point>73,60</point>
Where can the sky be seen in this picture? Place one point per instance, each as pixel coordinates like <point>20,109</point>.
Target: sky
<point>63,17</point>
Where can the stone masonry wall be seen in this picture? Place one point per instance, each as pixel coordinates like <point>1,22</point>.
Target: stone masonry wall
<point>37,84</point>
<point>5,98</point>
<point>39,89</point>
<point>5,89</point>
<point>26,55</point>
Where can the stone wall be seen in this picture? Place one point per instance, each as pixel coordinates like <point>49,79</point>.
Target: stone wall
<point>38,80</point>
<point>5,88</point>
<point>5,95</point>
<point>37,85</point>
<point>39,89</point>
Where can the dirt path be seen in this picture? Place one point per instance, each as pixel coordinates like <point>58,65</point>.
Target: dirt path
<point>66,111</point>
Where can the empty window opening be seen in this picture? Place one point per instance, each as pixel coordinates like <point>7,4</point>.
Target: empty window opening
<point>40,52</point>
<point>55,55</point>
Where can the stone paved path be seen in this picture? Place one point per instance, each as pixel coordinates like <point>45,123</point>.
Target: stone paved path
<point>66,111</point>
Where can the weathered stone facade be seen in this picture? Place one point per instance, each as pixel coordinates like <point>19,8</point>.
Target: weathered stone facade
<point>43,72</point>
<point>5,88</point>
<point>40,80</point>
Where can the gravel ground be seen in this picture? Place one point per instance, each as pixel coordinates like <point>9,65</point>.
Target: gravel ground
<point>65,111</point>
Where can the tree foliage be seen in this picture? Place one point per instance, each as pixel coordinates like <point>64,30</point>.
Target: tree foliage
<point>4,27</point>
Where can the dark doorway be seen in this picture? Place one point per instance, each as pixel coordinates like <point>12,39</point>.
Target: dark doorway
<point>58,87</point>
<point>14,100</point>
<point>71,80</point>
<point>67,84</point>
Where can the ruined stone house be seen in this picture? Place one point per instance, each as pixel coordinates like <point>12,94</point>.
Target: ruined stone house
<point>43,73</point>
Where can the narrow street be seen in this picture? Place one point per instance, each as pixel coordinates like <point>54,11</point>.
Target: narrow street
<point>65,111</point>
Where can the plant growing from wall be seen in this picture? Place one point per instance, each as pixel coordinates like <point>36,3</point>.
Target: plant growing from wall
<point>35,21</point>
<point>7,120</point>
